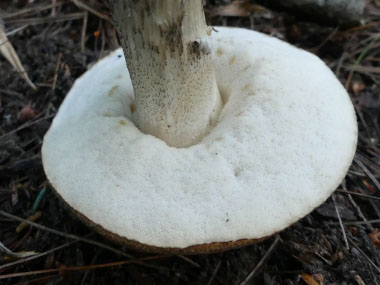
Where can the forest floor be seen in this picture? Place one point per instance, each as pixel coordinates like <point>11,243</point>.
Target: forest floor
<point>57,41</point>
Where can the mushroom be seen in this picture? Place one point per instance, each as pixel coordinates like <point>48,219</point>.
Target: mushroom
<point>226,137</point>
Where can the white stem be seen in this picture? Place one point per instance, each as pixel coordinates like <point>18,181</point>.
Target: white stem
<point>168,54</point>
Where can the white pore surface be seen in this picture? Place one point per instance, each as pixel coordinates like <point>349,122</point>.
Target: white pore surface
<point>284,141</point>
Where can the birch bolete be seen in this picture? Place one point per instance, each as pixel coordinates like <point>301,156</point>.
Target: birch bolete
<point>210,140</point>
<point>168,53</point>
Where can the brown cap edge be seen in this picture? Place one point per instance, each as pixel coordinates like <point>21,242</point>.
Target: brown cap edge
<point>215,247</point>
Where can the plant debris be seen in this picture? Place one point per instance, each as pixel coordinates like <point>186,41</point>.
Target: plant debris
<point>57,41</point>
<point>7,50</point>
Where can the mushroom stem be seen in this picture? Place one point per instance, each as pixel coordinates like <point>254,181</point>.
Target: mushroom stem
<point>168,55</point>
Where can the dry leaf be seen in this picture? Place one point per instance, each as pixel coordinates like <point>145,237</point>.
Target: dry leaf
<point>238,9</point>
<point>7,50</point>
<point>19,255</point>
<point>309,279</point>
<point>375,237</point>
<point>359,280</point>
<point>369,186</point>
<point>357,85</point>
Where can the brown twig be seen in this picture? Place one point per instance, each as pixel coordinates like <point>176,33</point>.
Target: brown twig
<point>188,260</point>
<point>56,71</point>
<point>355,223</point>
<point>261,262</point>
<point>340,223</point>
<point>358,210</point>
<point>40,280</point>
<point>369,174</point>
<point>32,10</point>
<point>88,271</point>
<point>54,8</point>
<point>26,125</point>
<point>357,194</point>
<point>79,268</point>
<point>215,272</point>
<point>80,4</point>
<point>360,58</point>
<point>44,20</point>
<point>70,236</point>
<point>366,257</point>
<point>83,32</point>
<point>326,40</point>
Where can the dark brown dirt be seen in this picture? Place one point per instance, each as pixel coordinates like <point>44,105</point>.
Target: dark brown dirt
<point>312,249</point>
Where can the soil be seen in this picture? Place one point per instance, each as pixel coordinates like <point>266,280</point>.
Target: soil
<point>56,47</point>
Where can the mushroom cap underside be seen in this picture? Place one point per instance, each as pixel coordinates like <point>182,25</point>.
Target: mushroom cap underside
<point>283,142</point>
